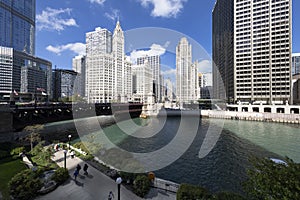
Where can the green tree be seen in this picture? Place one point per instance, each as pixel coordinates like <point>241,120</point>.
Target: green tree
<point>34,134</point>
<point>141,185</point>
<point>268,180</point>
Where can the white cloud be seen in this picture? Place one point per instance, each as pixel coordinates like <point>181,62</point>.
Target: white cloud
<point>169,72</point>
<point>164,8</point>
<point>78,48</point>
<point>115,13</point>
<point>100,2</point>
<point>205,66</point>
<point>154,50</point>
<point>55,19</point>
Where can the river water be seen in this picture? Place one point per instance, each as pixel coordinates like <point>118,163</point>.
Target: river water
<point>223,168</point>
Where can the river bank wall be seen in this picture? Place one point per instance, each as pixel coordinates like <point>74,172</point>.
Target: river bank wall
<point>252,116</point>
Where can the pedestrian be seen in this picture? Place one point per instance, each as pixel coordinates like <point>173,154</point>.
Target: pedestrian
<point>78,168</point>
<point>111,195</point>
<point>72,154</point>
<point>85,167</point>
<point>76,174</point>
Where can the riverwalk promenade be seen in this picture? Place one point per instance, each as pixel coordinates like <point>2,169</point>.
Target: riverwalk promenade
<point>95,185</point>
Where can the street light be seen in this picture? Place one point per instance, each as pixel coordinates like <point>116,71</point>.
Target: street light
<point>119,181</point>
<point>69,136</point>
<point>65,152</point>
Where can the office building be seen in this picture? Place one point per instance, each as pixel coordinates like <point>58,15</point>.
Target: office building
<point>259,35</point>
<point>17,25</point>
<point>23,73</point>
<point>154,63</point>
<point>141,82</point>
<point>100,71</point>
<point>79,66</point>
<point>186,73</point>
<point>64,84</point>
<point>222,38</point>
<point>108,74</point>
<point>295,63</point>
<point>20,70</point>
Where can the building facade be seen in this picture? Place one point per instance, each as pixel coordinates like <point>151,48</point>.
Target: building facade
<point>79,66</point>
<point>17,25</point>
<point>154,63</point>
<point>23,73</point>
<point>222,52</point>
<point>108,74</point>
<point>261,50</point>
<point>295,63</point>
<point>141,82</point>
<point>186,73</point>
<point>64,84</point>
<point>169,93</point>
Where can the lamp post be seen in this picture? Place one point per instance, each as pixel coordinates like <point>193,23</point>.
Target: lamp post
<point>69,136</point>
<point>65,153</point>
<point>119,181</point>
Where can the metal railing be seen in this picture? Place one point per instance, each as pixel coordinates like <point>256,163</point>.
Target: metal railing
<point>165,185</point>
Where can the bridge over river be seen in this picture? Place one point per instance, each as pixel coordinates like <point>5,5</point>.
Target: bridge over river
<point>16,117</point>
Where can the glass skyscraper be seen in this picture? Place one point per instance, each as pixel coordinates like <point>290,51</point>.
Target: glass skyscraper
<point>17,25</point>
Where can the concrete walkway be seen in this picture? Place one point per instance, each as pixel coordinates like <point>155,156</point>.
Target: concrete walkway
<point>95,185</point>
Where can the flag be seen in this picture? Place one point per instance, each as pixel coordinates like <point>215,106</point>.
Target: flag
<point>43,93</point>
<point>15,92</point>
<point>40,89</point>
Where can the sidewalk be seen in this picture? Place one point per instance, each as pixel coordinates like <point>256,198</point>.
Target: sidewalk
<point>95,185</point>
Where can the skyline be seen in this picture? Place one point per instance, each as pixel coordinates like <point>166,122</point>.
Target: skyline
<point>61,26</point>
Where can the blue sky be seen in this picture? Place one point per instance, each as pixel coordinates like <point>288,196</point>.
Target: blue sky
<point>61,25</point>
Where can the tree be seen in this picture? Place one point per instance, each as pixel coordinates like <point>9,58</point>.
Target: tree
<point>141,185</point>
<point>34,134</point>
<point>269,180</point>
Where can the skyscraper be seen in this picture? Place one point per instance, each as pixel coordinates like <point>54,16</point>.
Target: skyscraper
<point>119,56</point>
<point>108,74</point>
<point>259,34</point>
<point>79,66</point>
<point>17,25</point>
<point>222,37</point>
<point>186,73</point>
<point>154,63</point>
<point>20,70</point>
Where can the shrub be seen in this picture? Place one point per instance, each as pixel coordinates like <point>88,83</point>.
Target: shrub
<point>61,175</point>
<point>37,149</point>
<point>141,185</point>
<point>228,196</point>
<point>191,192</point>
<point>24,185</point>
<point>128,177</point>
<point>17,151</point>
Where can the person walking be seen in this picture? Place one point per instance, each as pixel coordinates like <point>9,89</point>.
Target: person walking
<point>85,167</point>
<point>76,174</point>
<point>78,168</point>
<point>72,154</point>
<point>111,195</point>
